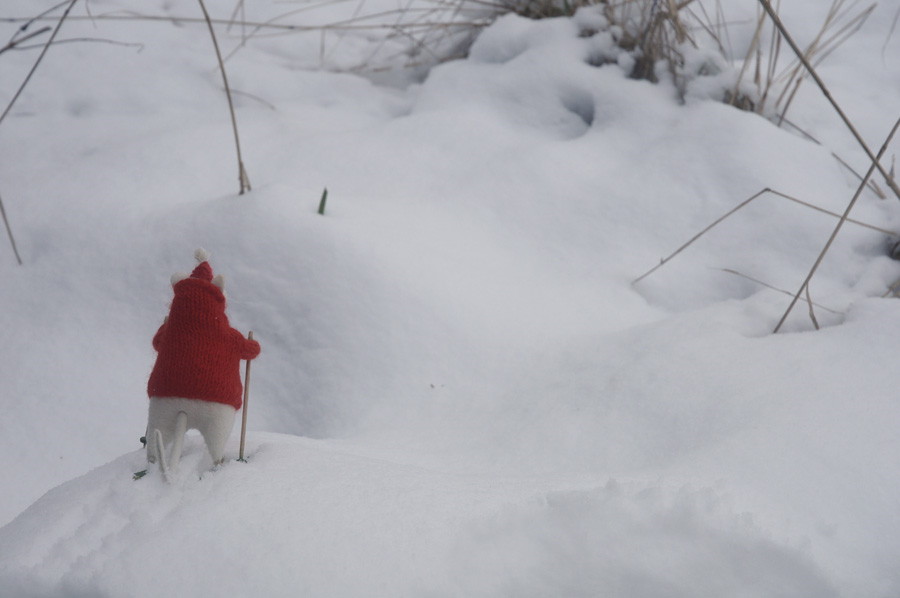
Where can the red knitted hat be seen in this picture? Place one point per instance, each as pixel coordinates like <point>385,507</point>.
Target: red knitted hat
<point>203,270</point>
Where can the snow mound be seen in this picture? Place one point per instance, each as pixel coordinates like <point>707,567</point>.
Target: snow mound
<point>308,517</point>
<point>462,318</point>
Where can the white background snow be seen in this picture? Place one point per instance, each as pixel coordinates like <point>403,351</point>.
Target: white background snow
<point>460,391</point>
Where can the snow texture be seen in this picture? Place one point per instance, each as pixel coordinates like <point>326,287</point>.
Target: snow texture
<point>460,392</point>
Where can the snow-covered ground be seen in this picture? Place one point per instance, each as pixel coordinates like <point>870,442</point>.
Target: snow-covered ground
<point>461,392</point>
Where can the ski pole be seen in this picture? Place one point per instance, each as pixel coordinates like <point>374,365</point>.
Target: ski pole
<point>246,398</point>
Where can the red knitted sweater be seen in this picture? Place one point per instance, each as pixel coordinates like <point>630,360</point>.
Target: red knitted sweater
<point>199,353</point>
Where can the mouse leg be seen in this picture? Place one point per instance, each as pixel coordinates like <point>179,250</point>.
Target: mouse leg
<point>168,415</point>
<point>214,423</point>
<point>158,418</point>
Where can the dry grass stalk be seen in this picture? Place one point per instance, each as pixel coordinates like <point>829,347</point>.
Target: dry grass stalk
<point>40,57</point>
<point>654,30</point>
<point>812,312</point>
<point>745,203</point>
<point>821,48</point>
<point>812,72</point>
<point>242,173</point>
<point>837,228</point>
<point>782,291</point>
<point>17,42</point>
<point>9,233</point>
<point>715,26</point>
<point>12,43</point>
<point>873,185</point>
<point>891,32</point>
<point>239,10</point>
<point>839,24</point>
<point>86,40</point>
<point>349,24</point>
<point>690,242</point>
<point>654,33</point>
<point>892,290</point>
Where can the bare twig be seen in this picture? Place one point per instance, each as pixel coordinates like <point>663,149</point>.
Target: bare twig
<point>844,218</point>
<point>242,173</point>
<point>39,59</point>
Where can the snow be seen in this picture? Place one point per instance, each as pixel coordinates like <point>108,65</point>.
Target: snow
<point>342,523</point>
<point>461,392</point>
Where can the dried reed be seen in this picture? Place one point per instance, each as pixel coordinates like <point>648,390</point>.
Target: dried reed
<point>243,180</point>
<point>37,62</point>
<point>812,72</point>
<point>837,228</point>
<point>744,204</point>
<point>9,233</point>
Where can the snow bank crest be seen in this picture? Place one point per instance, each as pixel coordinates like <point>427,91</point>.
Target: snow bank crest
<point>306,515</point>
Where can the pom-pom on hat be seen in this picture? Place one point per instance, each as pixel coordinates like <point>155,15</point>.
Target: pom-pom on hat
<point>203,270</point>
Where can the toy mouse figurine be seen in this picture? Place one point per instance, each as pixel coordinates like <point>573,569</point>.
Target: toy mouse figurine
<point>196,382</point>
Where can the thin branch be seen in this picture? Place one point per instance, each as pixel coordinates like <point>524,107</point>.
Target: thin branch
<point>844,218</point>
<point>38,61</point>
<point>242,173</point>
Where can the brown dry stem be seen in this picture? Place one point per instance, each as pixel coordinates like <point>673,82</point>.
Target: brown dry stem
<point>837,228</point>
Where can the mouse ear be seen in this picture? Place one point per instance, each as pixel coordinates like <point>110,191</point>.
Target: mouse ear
<point>219,281</point>
<point>178,277</point>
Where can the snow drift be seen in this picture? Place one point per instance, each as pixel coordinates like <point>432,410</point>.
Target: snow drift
<point>460,390</point>
<point>307,517</point>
